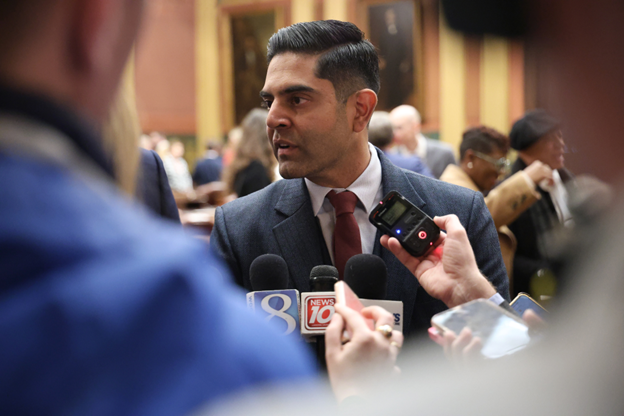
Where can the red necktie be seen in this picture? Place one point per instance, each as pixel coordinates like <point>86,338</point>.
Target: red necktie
<point>347,242</point>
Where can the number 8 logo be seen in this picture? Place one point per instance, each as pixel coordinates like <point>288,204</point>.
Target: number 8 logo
<point>290,321</point>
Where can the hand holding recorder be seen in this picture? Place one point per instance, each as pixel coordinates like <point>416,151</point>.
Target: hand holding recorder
<point>450,271</point>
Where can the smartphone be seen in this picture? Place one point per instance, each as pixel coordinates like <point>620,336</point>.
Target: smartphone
<point>399,218</point>
<point>522,302</point>
<point>346,296</point>
<point>501,332</point>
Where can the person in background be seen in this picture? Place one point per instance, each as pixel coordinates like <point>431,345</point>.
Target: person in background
<point>231,144</point>
<point>138,171</point>
<point>145,142</point>
<point>253,166</point>
<point>410,141</point>
<point>380,135</point>
<point>483,158</point>
<point>177,169</point>
<point>209,168</point>
<point>537,137</point>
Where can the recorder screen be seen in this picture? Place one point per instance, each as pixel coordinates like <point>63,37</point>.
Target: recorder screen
<point>392,215</point>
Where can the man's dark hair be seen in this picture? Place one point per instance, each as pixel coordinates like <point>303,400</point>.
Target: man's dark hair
<point>346,59</point>
<point>483,139</point>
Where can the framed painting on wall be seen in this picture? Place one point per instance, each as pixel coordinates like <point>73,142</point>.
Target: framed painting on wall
<point>244,32</point>
<point>393,27</point>
<point>250,35</point>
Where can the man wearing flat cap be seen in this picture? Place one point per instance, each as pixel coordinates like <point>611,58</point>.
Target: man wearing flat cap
<point>537,136</point>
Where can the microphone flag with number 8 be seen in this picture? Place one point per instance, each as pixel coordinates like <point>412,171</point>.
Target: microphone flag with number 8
<point>280,307</point>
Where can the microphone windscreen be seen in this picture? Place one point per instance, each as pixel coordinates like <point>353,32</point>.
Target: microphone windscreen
<point>324,270</point>
<point>367,276</point>
<point>323,278</point>
<point>268,272</point>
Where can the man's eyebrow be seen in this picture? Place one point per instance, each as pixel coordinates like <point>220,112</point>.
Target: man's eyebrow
<point>289,90</point>
<point>298,88</point>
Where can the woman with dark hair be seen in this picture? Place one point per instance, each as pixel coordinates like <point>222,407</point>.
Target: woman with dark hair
<point>253,166</point>
<point>483,158</point>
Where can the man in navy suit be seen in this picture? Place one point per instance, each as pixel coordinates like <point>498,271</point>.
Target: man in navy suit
<point>321,90</point>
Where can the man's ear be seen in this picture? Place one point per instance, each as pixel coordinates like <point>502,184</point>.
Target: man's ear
<point>93,31</point>
<point>365,103</point>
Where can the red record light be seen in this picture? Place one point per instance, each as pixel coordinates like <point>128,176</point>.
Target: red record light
<point>422,235</point>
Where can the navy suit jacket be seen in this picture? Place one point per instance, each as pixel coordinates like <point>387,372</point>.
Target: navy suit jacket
<point>153,188</point>
<point>279,220</point>
<point>208,170</point>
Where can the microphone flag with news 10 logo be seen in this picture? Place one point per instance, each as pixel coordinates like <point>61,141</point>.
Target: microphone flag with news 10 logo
<point>317,309</point>
<point>280,307</point>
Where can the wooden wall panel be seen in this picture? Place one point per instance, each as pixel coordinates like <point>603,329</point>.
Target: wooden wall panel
<point>165,68</point>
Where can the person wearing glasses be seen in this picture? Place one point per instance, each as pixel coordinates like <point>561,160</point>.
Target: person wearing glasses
<point>483,161</point>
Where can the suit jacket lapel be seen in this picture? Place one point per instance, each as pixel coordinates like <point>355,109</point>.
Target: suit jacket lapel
<point>298,236</point>
<point>394,179</point>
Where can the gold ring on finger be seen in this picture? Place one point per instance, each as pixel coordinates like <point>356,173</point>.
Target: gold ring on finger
<point>386,330</point>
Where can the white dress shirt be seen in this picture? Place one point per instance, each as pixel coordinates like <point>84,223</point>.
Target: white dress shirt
<point>559,197</point>
<point>368,189</point>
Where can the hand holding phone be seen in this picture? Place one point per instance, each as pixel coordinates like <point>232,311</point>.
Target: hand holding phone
<point>524,302</point>
<point>351,365</point>
<point>345,296</point>
<point>500,332</point>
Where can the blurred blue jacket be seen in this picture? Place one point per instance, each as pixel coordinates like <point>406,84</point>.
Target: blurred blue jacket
<point>105,310</point>
<point>412,163</point>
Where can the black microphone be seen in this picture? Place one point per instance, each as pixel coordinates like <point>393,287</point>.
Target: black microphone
<point>268,272</point>
<point>318,308</point>
<point>323,278</point>
<point>367,276</point>
<point>268,275</point>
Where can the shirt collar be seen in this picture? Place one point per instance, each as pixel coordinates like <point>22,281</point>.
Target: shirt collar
<point>60,117</point>
<point>421,149</point>
<point>365,187</point>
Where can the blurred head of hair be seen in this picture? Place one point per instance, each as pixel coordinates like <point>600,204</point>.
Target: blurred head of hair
<point>177,148</point>
<point>253,145</point>
<point>121,133</point>
<point>483,152</point>
<point>380,130</point>
<point>163,148</point>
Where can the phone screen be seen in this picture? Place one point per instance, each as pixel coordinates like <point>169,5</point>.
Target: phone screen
<point>523,302</point>
<point>500,333</point>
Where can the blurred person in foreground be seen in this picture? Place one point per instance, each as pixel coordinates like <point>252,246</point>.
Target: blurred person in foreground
<point>104,310</point>
<point>483,158</point>
<point>578,369</point>
<point>380,135</point>
<point>406,123</point>
<point>253,166</point>
<point>537,137</point>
